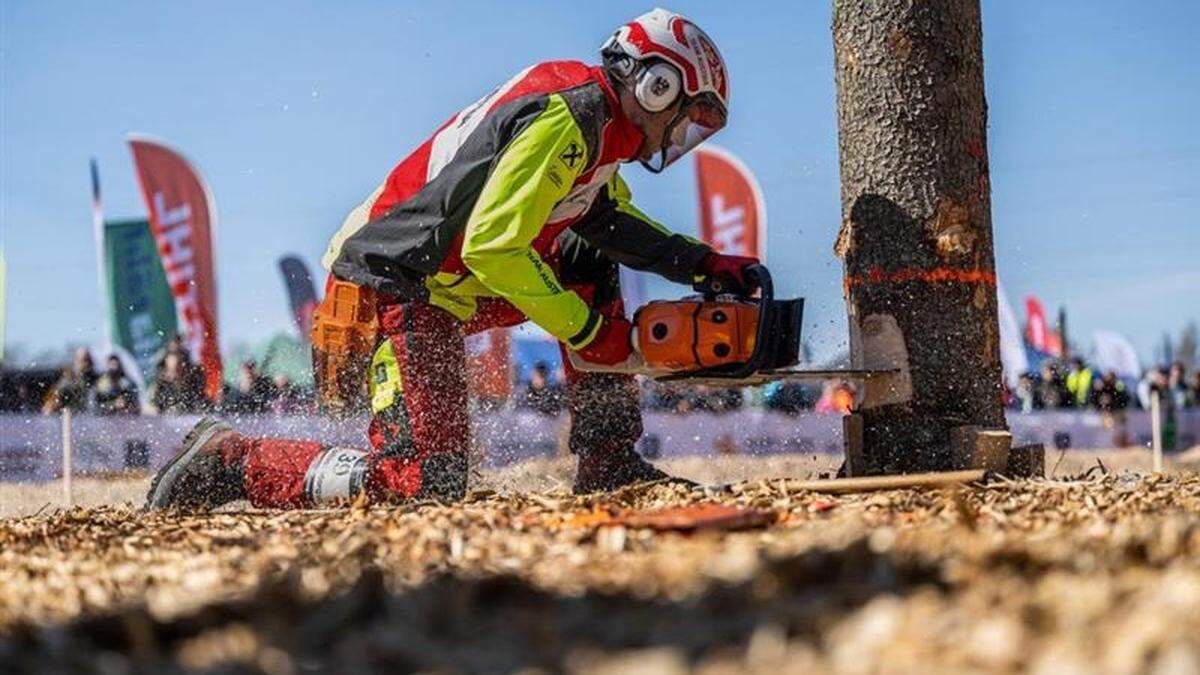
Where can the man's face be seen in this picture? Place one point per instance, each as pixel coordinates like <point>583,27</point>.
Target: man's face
<point>655,130</point>
<point>652,125</point>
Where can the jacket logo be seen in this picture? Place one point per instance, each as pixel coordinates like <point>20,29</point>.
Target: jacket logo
<point>571,155</point>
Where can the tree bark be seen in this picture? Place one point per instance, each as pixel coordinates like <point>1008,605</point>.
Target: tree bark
<point>916,235</point>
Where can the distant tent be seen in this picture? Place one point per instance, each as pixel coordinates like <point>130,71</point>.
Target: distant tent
<point>283,355</point>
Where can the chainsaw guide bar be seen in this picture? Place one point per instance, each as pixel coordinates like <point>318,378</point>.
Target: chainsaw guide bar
<point>786,375</point>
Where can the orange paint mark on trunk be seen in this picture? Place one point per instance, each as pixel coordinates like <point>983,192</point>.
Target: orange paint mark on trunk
<point>938,275</point>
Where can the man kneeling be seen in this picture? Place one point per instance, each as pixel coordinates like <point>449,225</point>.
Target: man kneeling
<point>512,211</point>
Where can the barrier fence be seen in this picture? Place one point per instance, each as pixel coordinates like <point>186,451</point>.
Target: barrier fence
<point>31,446</point>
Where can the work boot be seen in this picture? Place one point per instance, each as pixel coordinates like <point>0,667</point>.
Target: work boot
<point>444,477</point>
<point>200,475</point>
<point>605,471</point>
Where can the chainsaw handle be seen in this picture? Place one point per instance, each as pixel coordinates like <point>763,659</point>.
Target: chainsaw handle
<point>711,286</point>
<point>766,315</point>
<point>762,334</point>
<point>761,276</point>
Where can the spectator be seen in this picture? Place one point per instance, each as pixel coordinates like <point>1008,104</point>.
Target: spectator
<point>1177,387</point>
<point>1153,382</point>
<point>791,398</point>
<point>174,346</point>
<point>1053,388</point>
<point>1079,382</point>
<point>74,389</point>
<point>1027,396</point>
<point>193,374</point>
<point>1194,391</point>
<point>667,396</point>
<point>541,394</point>
<point>253,393</point>
<point>25,391</point>
<point>116,394</point>
<point>289,400</point>
<point>1108,393</point>
<point>174,390</point>
<point>715,400</point>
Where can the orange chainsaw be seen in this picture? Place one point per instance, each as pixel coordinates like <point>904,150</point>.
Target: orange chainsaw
<point>716,337</point>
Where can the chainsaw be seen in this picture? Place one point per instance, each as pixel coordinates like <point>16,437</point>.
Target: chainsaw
<point>716,337</point>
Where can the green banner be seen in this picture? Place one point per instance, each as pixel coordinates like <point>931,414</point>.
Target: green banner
<point>143,309</point>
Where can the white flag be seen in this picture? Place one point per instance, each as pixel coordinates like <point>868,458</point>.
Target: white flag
<point>1012,349</point>
<point>1114,352</point>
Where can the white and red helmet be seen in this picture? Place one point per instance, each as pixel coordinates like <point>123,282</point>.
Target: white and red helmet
<point>664,56</point>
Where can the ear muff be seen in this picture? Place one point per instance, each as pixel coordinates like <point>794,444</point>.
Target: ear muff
<point>657,87</point>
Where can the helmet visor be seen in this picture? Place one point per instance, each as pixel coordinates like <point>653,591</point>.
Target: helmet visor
<point>696,122</point>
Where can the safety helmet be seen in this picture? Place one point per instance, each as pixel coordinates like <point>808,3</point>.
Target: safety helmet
<point>663,57</point>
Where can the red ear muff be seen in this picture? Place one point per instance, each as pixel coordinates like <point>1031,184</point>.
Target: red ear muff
<point>657,87</point>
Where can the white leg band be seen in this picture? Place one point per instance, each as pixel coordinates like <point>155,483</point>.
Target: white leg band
<point>336,474</point>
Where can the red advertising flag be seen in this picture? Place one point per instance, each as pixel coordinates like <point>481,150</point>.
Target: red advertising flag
<point>1038,333</point>
<point>733,218</point>
<point>1035,324</point>
<point>182,217</point>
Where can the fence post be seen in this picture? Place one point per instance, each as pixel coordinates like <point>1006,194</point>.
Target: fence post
<point>67,452</point>
<point>1156,430</point>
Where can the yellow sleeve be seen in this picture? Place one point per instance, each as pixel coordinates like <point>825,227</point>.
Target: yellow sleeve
<point>536,170</point>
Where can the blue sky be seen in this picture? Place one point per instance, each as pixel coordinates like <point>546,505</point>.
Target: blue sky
<point>295,110</point>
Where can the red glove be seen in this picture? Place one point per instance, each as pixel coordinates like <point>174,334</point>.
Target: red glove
<point>612,343</point>
<point>730,271</point>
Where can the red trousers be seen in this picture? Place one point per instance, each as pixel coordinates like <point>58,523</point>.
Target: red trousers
<point>431,428</point>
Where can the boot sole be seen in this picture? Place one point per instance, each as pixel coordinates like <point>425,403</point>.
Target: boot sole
<point>164,480</point>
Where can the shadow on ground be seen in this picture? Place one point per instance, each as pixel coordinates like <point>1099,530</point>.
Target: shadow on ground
<point>494,624</point>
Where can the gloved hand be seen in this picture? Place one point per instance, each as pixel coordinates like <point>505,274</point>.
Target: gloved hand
<point>730,270</point>
<point>612,343</point>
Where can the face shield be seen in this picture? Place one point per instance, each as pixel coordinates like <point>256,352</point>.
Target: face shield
<point>696,122</point>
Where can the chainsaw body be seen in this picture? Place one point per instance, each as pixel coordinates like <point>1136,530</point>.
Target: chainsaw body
<point>714,337</point>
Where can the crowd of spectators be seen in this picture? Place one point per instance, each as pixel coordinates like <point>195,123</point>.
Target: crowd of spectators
<point>81,389</point>
<point>177,387</point>
<point>682,398</point>
<point>1081,387</point>
<point>544,393</point>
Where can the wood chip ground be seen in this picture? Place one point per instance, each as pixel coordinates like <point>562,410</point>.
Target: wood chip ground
<point>1099,572</point>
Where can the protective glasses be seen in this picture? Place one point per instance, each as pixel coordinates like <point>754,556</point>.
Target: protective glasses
<point>697,120</point>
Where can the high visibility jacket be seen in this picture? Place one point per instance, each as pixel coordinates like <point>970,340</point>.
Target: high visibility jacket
<point>476,209</point>
<point>1079,383</point>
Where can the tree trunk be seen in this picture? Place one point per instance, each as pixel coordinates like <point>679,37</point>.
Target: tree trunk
<point>916,234</point>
